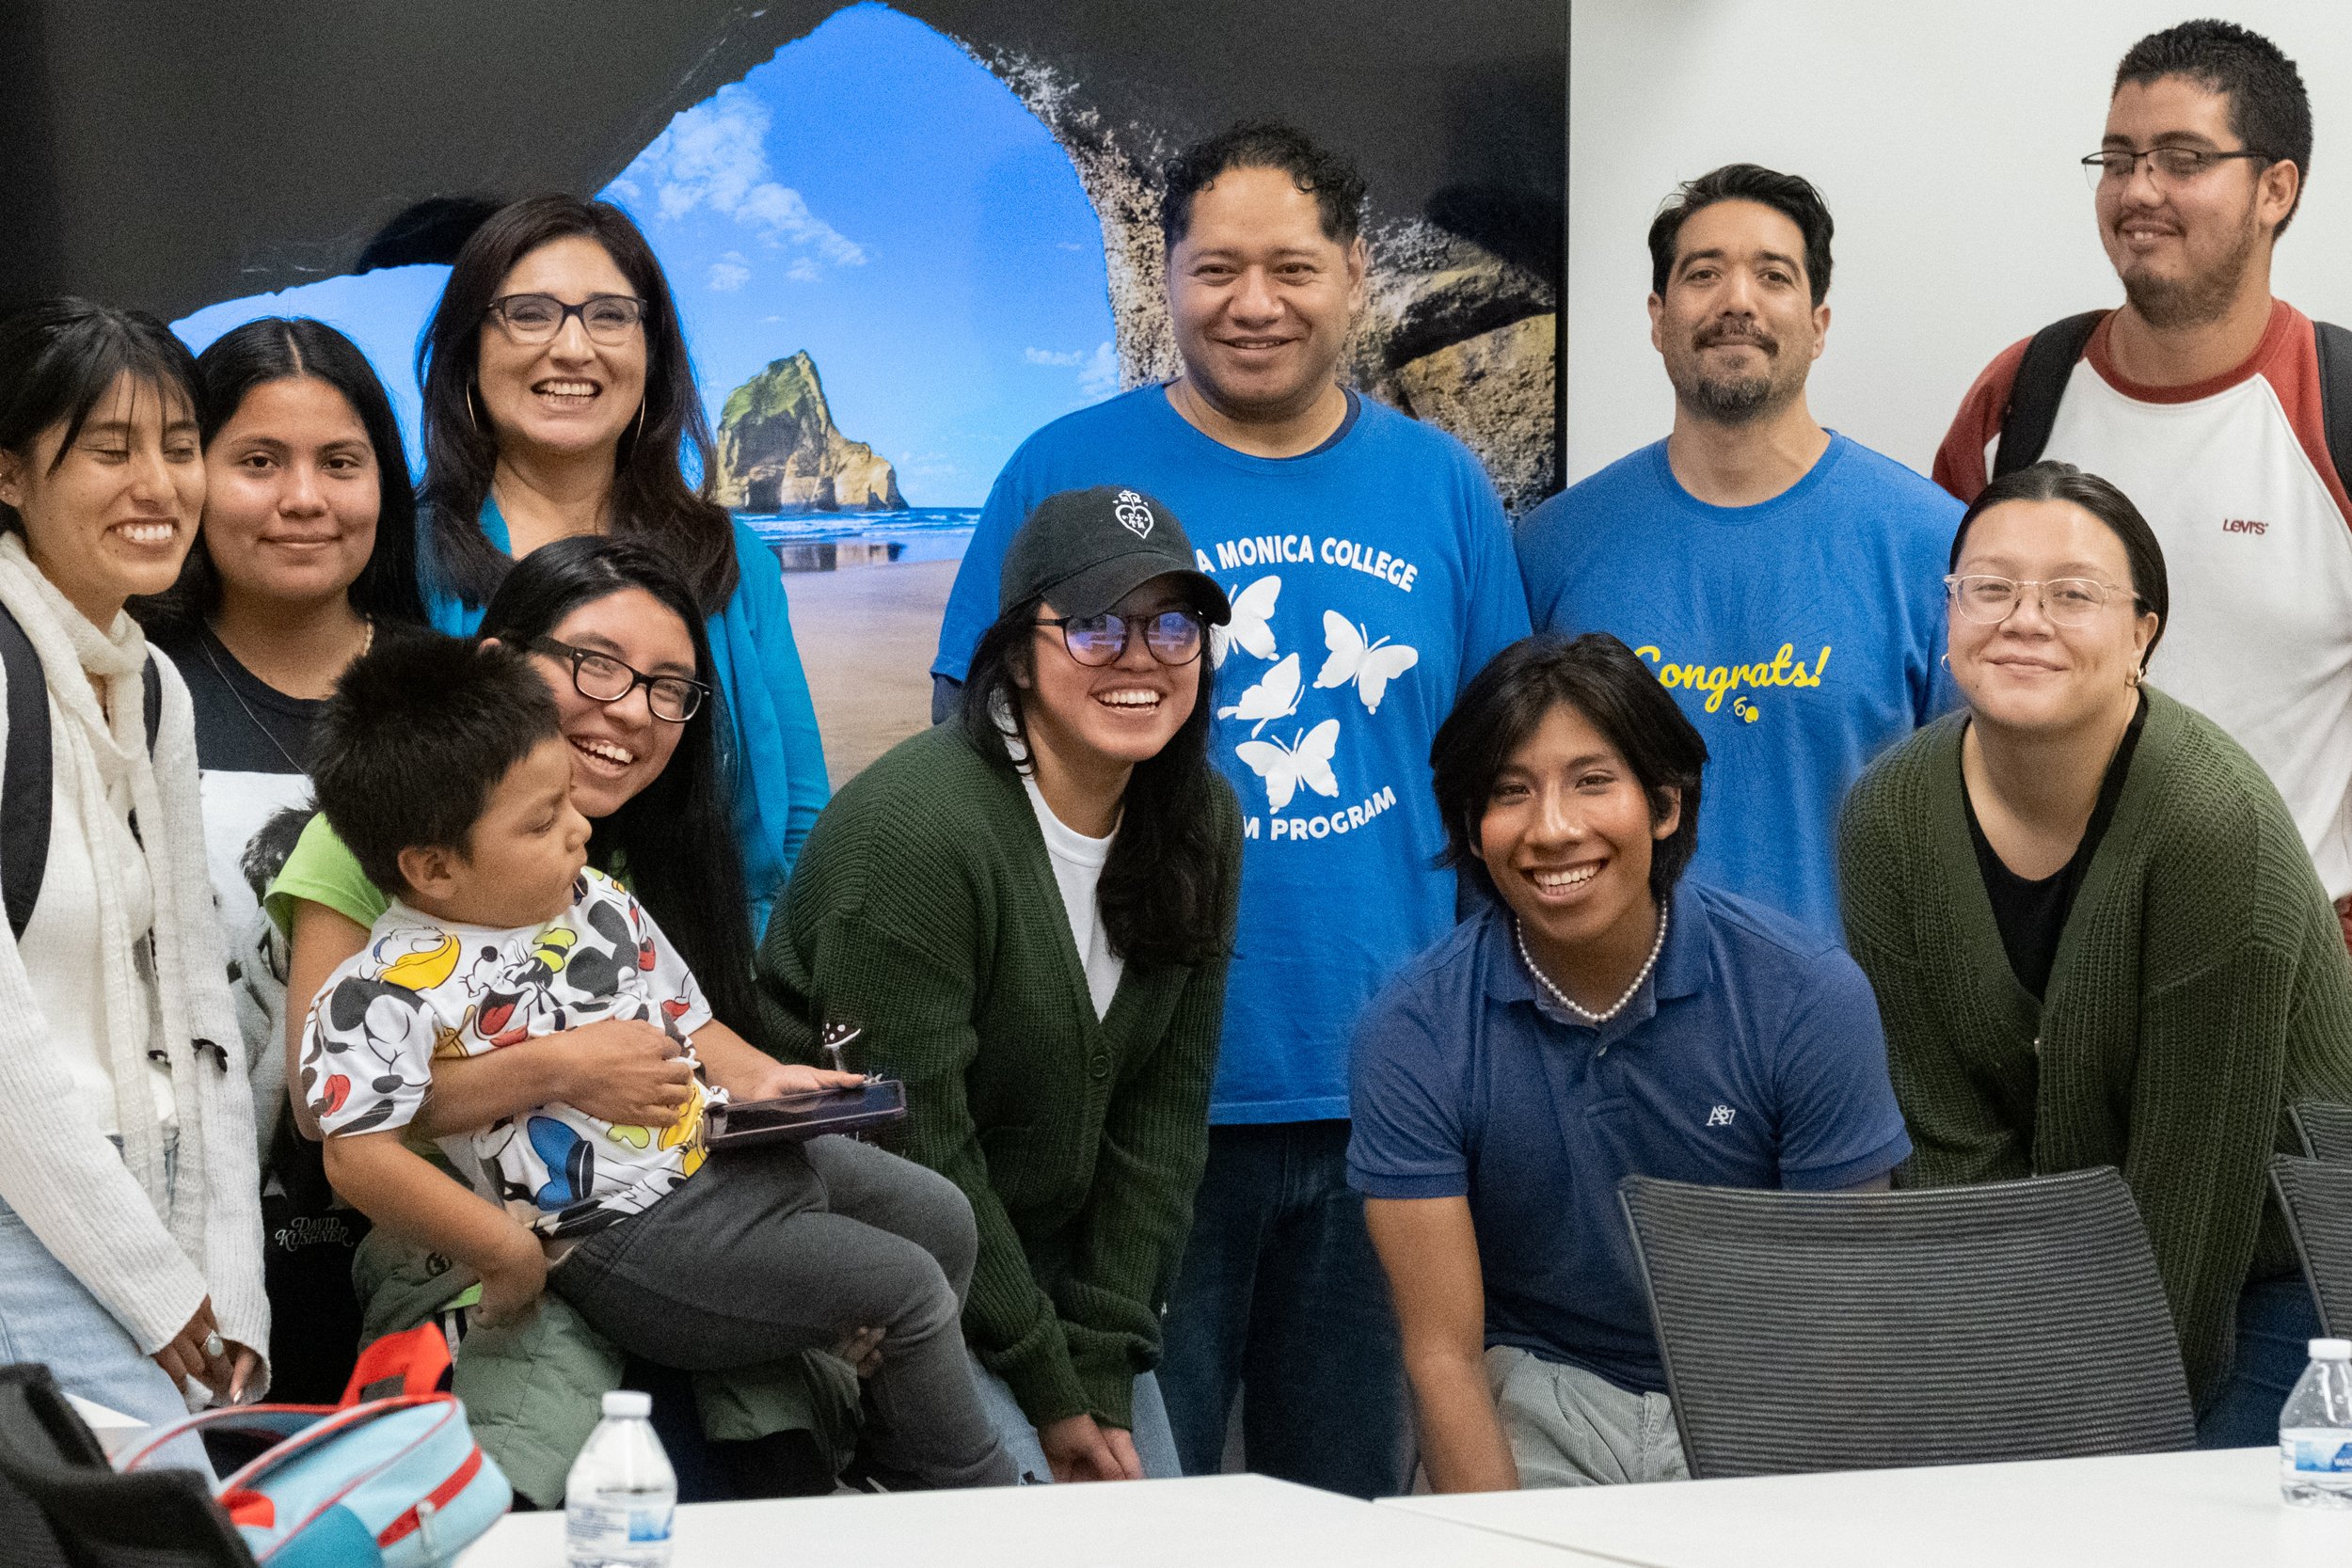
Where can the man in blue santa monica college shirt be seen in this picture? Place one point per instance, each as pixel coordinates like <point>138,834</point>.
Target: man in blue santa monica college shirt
<point>1371,572</point>
<point>1784,582</point>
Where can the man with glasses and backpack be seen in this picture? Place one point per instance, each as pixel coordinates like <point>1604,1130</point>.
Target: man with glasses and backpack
<point>2224,413</point>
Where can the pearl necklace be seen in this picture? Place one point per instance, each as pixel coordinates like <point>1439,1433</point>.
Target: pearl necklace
<point>1519,933</point>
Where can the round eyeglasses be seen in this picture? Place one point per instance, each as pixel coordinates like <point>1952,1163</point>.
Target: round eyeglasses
<point>602,678</point>
<point>538,318</point>
<point>1173,635</point>
<point>1989,600</point>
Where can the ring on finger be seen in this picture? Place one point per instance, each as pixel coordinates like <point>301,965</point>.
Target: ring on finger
<point>215,1346</point>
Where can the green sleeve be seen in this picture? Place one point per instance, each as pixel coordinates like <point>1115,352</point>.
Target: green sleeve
<point>1155,1143</point>
<point>322,871</point>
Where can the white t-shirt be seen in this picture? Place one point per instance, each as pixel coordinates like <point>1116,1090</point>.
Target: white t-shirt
<point>60,949</point>
<point>1077,862</point>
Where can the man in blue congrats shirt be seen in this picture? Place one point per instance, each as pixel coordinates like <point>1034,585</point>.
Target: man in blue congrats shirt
<point>1371,572</point>
<point>1785,583</point>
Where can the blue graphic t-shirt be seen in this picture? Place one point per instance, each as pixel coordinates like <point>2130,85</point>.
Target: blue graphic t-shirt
<point>1803,635</point>
<point>1370,580</point>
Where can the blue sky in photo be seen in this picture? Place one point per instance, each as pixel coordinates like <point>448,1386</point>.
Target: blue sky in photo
<point>871,195</point>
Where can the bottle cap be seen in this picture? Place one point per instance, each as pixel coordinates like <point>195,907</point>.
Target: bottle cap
<point>630,1402</point>
<point>2325,1349</point>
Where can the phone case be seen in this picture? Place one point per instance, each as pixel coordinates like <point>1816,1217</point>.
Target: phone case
<point>796,1118</point>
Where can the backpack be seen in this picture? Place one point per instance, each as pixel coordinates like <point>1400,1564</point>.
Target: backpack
<point>391,1478</point>
<point>2049,362</point>
<point>26,779</point>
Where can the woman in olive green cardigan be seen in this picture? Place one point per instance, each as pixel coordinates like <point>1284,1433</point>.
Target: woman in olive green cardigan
<point>1037,948</point>
<point>2094,933</point>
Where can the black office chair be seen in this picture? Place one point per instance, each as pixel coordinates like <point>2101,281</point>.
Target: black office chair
<point>62,1504</point>
<point>2316,1196</point>
<point>1955,1325</point>
<point>2326,1130</point>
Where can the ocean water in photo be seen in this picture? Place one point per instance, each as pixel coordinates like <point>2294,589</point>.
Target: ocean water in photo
<point>830,541</point>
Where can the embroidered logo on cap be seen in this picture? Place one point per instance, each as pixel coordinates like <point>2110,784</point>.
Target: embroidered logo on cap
<point>1135,514</point>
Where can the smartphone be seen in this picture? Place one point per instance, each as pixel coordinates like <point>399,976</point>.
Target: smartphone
<point>796,1118</point>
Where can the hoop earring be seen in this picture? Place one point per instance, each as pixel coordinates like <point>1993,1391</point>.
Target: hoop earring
<point>472,423</point>
<point>1945,660</point>
<point>641,425</point>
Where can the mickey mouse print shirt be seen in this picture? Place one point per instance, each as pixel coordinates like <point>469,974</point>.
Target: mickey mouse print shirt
<point>423,988</point>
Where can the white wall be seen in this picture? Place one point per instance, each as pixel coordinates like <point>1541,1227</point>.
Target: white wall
<point>1945,137</point>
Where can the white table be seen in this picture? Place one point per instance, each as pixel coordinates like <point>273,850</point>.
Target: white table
<point>1213,1522</point>
<point>2215,1510</point>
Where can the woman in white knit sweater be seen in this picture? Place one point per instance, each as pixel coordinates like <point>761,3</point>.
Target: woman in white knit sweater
<point>130,1220</point>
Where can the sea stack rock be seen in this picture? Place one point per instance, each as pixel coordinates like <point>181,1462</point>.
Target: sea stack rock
<point>779,450</point>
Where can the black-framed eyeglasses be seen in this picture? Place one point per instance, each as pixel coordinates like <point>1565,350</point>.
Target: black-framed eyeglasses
<point>601,678</point>
<point>2175,165</point>
<point>1173,635</point>
<point>538,318</point>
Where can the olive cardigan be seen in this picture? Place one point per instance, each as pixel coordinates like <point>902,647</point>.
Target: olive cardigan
<point>2201,986</point>
<point>924,911</point>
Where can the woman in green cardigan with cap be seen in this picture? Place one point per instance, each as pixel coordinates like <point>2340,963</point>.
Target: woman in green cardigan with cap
<point>2094,933</point>
<point>1026,917</point>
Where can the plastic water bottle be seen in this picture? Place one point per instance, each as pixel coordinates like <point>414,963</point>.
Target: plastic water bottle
<point>2315,1430</point>
<point>621,1496</point>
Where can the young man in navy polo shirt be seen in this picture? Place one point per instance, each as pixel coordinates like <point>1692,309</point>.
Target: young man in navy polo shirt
<point>1599,1022</point>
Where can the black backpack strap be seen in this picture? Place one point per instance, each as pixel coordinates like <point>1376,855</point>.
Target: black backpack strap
<point>2033,399</point>
<point>25,777</point>
<point>2335,394</point>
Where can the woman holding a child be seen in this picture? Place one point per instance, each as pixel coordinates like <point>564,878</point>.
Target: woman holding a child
<point>1026,917</point>
<point>130,1231</point>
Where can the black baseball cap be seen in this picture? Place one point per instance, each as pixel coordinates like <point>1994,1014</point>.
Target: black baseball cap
<point>1087,550</point>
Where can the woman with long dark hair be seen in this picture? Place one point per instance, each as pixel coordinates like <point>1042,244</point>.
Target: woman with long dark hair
<point>558,399</point>
<point>130,1228</point>
<point>1027,916</point>
<point>621,643</point>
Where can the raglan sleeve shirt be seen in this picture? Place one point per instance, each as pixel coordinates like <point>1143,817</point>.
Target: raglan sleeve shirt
<point>1959,462</point>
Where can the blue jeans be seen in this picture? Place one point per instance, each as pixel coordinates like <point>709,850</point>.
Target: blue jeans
<point>49,1316</point>
<point>1154,1445</point>
<point>2276,1322</point>
<point>1281,1299</point>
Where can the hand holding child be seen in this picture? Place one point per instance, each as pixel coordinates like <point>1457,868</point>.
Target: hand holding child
<point>513,1280</point>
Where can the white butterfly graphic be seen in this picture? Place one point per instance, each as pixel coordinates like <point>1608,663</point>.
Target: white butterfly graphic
<point>1371,662</point>
<point>1305,760</point>
<point>1253,607</point>
<point>1274,697</point>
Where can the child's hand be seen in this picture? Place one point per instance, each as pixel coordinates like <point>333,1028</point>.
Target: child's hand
<point>779,1078</point>
<point>512,1284</point>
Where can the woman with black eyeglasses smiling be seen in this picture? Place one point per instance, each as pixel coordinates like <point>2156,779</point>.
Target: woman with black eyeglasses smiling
<point>1026,917</point>
<point>2094,933</point>
<point>558,399</point>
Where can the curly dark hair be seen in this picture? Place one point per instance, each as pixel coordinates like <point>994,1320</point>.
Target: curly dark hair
<point>1325,174</point>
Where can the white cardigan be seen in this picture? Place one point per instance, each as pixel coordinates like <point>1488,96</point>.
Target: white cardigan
<point>66,1179</point>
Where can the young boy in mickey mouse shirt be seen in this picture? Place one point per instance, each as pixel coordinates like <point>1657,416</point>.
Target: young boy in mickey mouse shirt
<point>442,765</point>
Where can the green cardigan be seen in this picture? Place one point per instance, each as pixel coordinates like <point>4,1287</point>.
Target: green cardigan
<point>2201,985</point>
<point>924,910</point>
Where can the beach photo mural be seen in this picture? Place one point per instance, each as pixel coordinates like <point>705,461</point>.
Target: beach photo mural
<point>897,253</point>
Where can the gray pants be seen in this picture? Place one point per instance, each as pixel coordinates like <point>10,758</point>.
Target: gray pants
<point>1568,1427</point>
<point>780,1249</point>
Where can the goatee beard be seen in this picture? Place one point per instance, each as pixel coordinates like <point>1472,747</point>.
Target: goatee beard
<point>2176,304</point>
<point>1732,401</point>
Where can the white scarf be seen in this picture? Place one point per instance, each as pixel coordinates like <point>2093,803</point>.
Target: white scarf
<point>99,746</point>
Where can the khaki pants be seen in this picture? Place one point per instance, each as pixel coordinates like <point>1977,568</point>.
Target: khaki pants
<point>1568,1427</point>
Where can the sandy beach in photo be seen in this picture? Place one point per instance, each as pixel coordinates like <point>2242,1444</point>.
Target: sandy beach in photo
<point>867,635</point>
